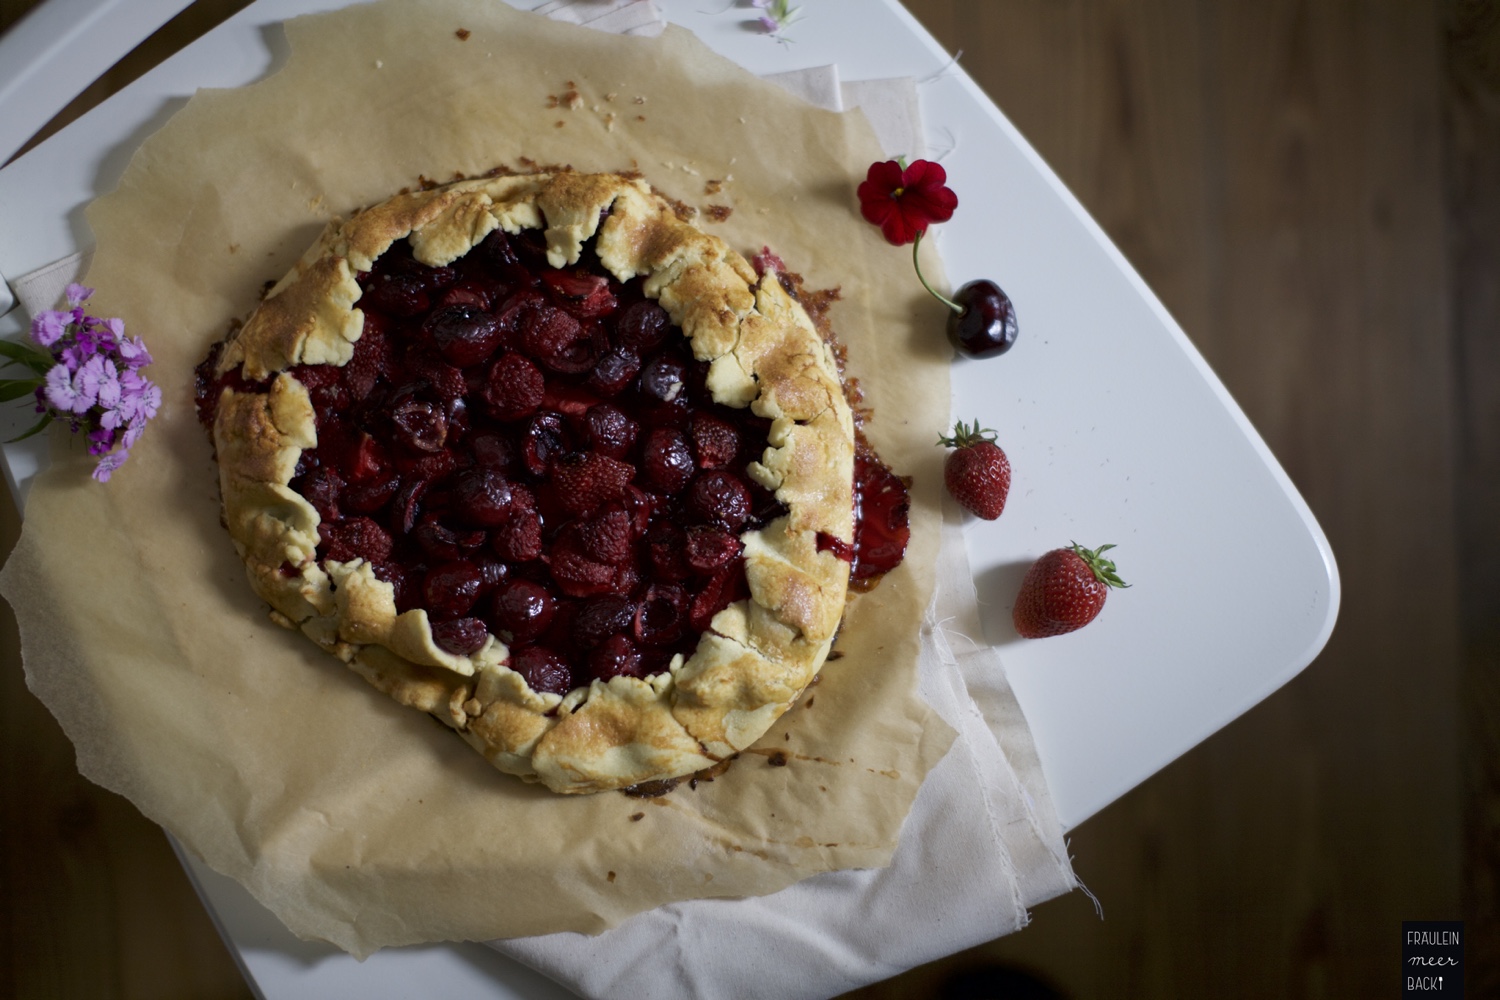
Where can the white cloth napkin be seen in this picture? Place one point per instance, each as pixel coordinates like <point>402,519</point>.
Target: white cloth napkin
<point>44,288</point>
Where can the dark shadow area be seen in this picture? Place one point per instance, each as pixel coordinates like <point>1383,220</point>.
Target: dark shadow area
<point>997,982</point>
<point>996,588</point>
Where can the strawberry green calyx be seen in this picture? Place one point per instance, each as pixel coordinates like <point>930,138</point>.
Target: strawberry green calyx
<point>967,437</point>
<point>1103,569</point>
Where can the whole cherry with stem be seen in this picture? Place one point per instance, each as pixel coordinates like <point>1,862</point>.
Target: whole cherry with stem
<point>903,200</point>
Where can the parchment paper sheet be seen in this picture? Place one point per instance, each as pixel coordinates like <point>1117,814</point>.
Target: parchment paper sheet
<point>354,819</point>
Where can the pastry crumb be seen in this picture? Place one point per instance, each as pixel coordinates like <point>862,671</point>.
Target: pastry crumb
<point>234,248</point>
<point>718,213</point>
<point>462,34</point>
<point>559,123</point>
<point>379,64</point>
<point>713,186</point>
<point>570,98</point>
<point>610,876</point>
<point>640,100</point>
<point>637,817</point>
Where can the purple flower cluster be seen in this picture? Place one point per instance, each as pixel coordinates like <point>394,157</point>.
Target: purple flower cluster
<point>95,381</point>
<point>776,14</point>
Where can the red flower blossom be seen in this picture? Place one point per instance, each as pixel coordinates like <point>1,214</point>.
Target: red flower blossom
<point>903,202</point>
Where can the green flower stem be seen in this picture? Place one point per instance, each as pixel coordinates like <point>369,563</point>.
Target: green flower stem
<point>915,246</point>
<point>15,388</point>
<point>35,429</point>
<point>15,353</point>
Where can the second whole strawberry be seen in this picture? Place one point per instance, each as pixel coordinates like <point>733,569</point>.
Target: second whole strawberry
<point>1063,591</point>
<point>976,472</point>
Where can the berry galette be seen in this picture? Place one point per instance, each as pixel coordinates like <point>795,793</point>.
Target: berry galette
<point>535,455</point>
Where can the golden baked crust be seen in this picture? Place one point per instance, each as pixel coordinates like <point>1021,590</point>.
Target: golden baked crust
<point>764,353</point>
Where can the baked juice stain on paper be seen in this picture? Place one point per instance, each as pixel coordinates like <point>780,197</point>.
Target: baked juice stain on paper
<point>777,757</point>
<point>656,789</point>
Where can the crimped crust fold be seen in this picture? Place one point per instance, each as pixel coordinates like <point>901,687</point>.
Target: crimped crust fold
<point>765,353</point>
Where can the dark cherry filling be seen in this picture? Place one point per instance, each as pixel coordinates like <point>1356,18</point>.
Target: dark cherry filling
<point>533,453</point>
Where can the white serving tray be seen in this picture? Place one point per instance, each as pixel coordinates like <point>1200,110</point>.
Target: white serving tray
<point>1116,428</point>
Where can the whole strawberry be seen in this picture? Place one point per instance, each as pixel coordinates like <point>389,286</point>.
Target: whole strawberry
<point>977,473</point>
<point>1063,591</point>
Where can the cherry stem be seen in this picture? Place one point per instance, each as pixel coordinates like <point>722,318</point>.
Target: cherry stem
<point>915,246</point>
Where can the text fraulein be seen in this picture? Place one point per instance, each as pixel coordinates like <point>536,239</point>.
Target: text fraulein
<point>1446,938</point>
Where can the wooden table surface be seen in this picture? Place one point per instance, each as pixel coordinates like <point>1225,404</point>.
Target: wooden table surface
<point>1313,189</point>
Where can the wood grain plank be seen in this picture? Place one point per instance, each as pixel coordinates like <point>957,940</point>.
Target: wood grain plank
<point>1274,172</point>
<point>1472,134</point>
<point>1333,234</point>
<point>96,904</point>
